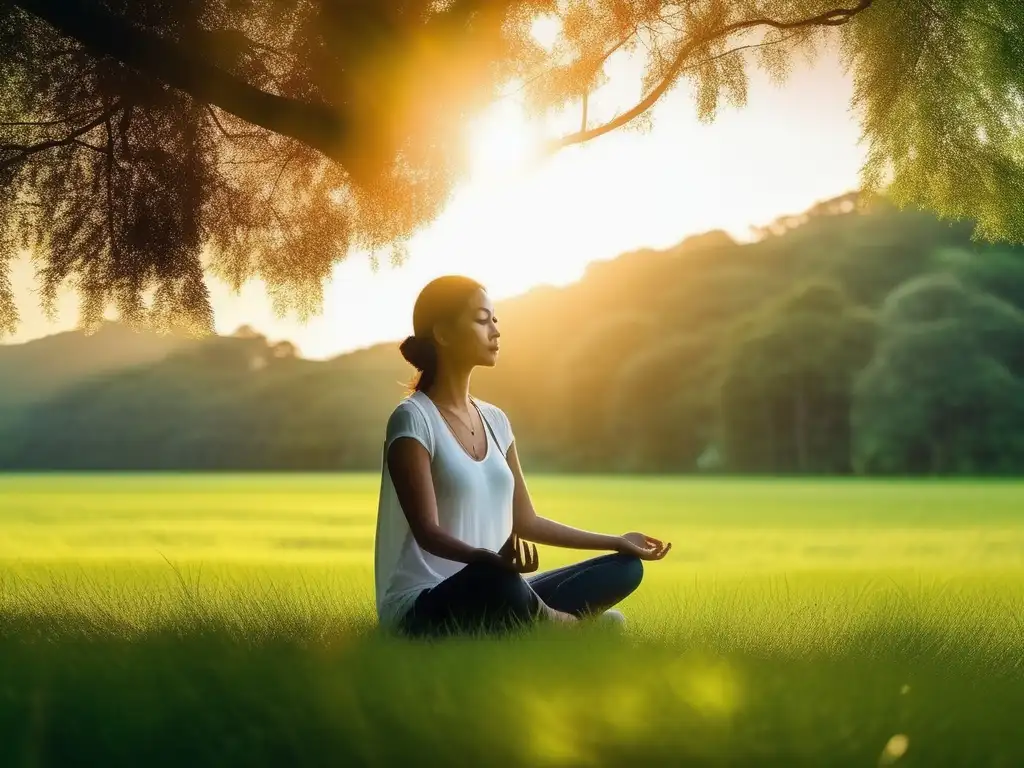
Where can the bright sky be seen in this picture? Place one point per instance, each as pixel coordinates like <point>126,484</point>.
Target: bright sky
<point>514,228</point>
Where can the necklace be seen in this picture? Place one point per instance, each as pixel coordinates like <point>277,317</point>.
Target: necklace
<point>470,449</point>
<point>470,427</point>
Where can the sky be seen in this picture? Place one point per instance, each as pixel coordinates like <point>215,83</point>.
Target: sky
<point>513,226</point>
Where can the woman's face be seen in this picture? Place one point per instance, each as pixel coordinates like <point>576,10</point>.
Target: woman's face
<point>472,338</point>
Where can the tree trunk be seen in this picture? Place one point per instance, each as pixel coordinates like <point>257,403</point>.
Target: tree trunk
<point>316,125</point>
<point>800,426</point>
<point>938,462</point>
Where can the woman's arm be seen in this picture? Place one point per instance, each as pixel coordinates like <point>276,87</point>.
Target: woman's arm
<point>409,466</point>
<point>531,526</point>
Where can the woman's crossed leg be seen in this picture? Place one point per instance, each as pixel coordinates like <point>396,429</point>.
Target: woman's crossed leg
<point>485,598</point>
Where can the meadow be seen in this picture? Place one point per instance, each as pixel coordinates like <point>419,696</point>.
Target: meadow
<point>227,620</point>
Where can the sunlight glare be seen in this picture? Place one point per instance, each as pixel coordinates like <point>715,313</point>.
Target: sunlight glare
<point>545,31</point>
<point>502,143</point>
<point>554,736</point>
<point>709,686</point>
<point>894,749</point>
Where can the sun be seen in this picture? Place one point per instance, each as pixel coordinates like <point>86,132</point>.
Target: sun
<point>502,144</point>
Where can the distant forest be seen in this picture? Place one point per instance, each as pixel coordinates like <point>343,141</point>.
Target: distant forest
<point>842,341</point>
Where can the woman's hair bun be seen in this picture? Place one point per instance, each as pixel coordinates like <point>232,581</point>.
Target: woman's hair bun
<point>419,352</point>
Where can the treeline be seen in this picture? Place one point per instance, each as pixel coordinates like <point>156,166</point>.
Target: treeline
<point>842,341</point>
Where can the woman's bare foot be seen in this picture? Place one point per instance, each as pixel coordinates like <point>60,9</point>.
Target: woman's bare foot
<point>559,617</point>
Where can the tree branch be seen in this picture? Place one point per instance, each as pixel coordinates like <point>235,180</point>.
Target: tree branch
<point>551,70</point>
<point>43,123</point>
<point>317,125</point>
<point>280,173</point>
<point>831,18</point>
<point>86,145</point>
<point>25,150</point>
<point>109,170</point>
<point>226,133</point>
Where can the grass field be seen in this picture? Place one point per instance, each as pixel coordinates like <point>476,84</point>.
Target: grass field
<point>210,620</point>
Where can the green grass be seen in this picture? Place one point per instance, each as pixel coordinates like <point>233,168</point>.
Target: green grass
<point>211,620</point>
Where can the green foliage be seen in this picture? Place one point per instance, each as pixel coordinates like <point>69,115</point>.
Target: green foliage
<point>942,394</point>
<point>1000,273</point>
<point>33,372</point>
<point>661,410</point>
<point>786,390</point>
<point>585,387</point>
<point>938,86</point>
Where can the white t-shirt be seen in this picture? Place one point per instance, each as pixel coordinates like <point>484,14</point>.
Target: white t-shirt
<point>474,502</point>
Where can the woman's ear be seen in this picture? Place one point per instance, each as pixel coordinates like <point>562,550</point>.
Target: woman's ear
<point>440,335</point>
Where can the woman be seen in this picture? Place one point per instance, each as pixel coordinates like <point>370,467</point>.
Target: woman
<point>454,512</point>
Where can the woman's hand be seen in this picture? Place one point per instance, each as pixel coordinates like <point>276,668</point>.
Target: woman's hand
<point>515,555</point>
<point>643,546</point>
<point>521,555</point>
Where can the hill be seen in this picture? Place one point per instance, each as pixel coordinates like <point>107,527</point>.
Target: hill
<point>842,341</point>
<point>38,369</point>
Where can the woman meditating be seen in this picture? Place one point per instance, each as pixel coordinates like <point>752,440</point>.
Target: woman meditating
<point>454,517</point>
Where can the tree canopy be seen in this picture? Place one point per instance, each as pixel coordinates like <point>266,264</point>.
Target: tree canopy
<point>144,144</point>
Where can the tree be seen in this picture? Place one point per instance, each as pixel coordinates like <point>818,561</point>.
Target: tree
<point>932,403</point>
<point>996,326</point>
<point>662,407</point>
<point>1000,273</point>
<point>940,395</point>
<point>584,392</point>
<point>145,144</point>
<point>785,395</point>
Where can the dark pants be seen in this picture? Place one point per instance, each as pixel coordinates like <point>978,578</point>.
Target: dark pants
<point>482,597</point>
